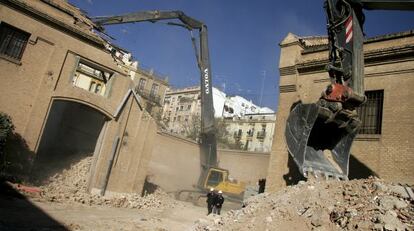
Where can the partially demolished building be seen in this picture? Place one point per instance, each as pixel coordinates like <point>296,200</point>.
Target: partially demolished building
<point>67,96</point>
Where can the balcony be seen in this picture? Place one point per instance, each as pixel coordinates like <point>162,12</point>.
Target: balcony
<point>250,134</point>
<point>261,135</point>
<point>148,96</point>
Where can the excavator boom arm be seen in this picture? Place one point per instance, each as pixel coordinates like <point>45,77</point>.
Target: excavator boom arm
<point>208,138</point>
<point>148,16</point>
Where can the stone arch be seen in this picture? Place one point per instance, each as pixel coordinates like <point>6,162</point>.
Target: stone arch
<point>87,103</point>
<point>72,131</point>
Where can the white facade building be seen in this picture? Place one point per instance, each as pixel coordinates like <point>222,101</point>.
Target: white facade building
<point>249,125</point>
<point>254,132</point>
<point>237,106</point>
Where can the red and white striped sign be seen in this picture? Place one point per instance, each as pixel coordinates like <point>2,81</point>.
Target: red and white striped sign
<point>348,30</point>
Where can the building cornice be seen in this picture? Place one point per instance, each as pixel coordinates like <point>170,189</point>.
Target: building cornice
<point>151,76</point>
<point>372,57</point>
<point>324,47</point>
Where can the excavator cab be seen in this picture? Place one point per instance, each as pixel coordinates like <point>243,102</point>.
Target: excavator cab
<point>218,179</point>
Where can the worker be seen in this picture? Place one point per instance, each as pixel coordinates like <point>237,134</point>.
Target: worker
<point>218,203</point>
<point>210,200</point>
<point>262,185</point>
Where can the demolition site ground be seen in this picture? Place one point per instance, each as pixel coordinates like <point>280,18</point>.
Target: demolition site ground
<point>63,203</point>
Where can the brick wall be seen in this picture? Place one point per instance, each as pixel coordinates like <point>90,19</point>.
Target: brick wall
<point>389,62</point>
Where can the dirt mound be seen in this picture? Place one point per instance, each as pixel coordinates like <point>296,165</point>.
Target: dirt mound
<point>71,186</point>
<point>369,204</point>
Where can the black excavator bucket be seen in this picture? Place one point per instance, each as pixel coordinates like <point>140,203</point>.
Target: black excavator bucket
<point>318,145</point>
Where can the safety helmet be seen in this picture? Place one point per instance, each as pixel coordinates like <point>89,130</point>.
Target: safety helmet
<point>211,189</point>
<point>220,192</point>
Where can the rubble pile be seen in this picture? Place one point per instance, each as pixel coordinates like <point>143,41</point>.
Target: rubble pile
<point>71,186</point>
<point>369,204</point>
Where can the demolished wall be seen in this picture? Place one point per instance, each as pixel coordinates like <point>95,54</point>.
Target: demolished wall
<point>45,74</point>
<point>175,163</point>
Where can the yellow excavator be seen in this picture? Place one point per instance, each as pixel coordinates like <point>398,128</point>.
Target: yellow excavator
<point>218,179</point>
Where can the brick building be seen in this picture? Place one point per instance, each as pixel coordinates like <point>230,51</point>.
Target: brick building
<point>384,145</point>
<point>68,98</point>
<point>152,87</point>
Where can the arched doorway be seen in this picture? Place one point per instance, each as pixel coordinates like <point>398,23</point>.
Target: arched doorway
<point>71,133</point>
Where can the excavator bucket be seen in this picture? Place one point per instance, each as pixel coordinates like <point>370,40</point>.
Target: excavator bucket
<point>318,146</point>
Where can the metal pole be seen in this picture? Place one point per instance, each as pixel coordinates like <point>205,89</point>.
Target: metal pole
<point>261,91</point>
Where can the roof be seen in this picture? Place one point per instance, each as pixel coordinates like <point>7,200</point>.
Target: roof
<point>312,42</point>
<point>72,10</point>
<point>304,41</point>
<point>62,14</point>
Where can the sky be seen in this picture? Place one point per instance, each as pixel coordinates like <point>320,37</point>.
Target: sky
<point>243,37</point>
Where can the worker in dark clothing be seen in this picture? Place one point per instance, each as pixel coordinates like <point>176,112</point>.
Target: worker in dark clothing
<point>262,185</point>
<point>218,202</point>
<point>210,200</point>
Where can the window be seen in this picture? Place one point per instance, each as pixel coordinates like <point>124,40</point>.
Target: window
<point>98,88</point>
<point>91,78</point>
<point>12,41</point>
<point>181,107</point>
<point>250,132</point>
<point>141,84</point>
<point>92,86</point>
<point>240,133</point>
<point>371,113</point>
<point>95,87</point>
<point>189,107</point>
<point>154,90</point>
<point>261,134</point>
<point>214,178</point>
<point>228,109</point>
<point>186,118</point>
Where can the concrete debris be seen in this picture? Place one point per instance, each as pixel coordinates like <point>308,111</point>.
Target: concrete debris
<point>71,185</point>
<point>368,204</point>
<point>402,191</point>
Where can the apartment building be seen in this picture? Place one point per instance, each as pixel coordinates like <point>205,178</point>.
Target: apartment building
<point>250,126</point>
<point>182,107</point>
<point>149,84</point>
<point>253,132</point>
